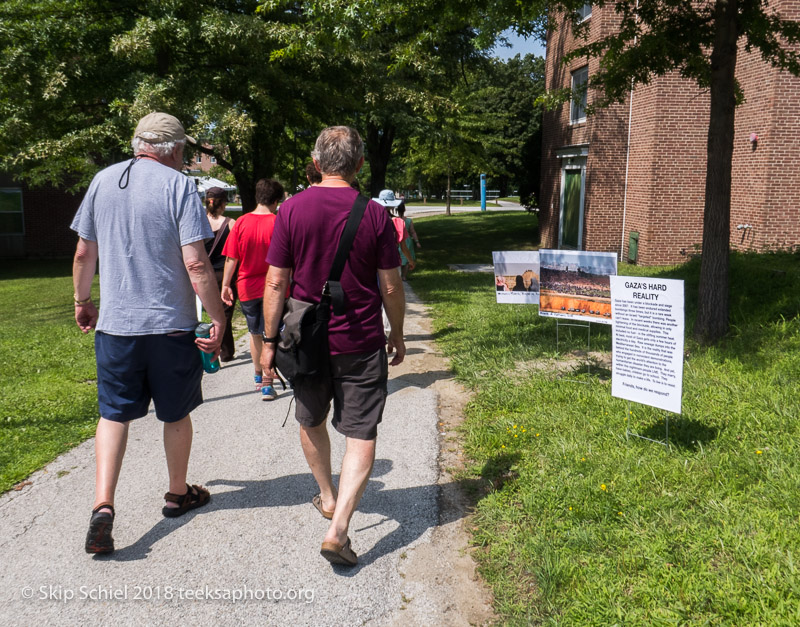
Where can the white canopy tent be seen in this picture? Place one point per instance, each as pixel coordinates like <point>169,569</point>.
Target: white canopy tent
<point>206,182</point>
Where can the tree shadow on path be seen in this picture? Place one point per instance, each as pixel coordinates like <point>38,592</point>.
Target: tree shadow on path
<point>414,510</point>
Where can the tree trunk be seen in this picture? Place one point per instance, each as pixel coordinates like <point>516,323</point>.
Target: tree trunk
<point>447,208</point>
<point>247,192</point>
<point>244,180</point>
<point>379,151</point>
<point>249,167</point>
<point>712,311</point>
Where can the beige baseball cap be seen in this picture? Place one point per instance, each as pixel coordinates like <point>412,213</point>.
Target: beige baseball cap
<point>164,126</point>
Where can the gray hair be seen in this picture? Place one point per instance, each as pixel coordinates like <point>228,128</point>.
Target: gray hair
<point>163,149</point>
<point>338,150</point>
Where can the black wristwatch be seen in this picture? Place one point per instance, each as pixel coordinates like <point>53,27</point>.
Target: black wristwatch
<point>270,340</point>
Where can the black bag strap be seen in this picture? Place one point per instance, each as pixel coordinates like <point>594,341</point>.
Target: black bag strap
<point>334,286</point>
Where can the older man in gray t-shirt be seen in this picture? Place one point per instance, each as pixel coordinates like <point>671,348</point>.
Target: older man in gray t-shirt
<point>142,219</point>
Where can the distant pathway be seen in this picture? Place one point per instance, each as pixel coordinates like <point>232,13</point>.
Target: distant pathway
<point>415,208</point>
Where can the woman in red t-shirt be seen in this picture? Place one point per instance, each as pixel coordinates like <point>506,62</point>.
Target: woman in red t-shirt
<point>247,247</point>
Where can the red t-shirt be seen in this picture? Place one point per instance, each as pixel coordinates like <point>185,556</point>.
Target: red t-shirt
<point>249,242</point>
<point>306,236</point>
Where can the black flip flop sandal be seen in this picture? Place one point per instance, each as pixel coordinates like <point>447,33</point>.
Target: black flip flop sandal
<point>98,538</point>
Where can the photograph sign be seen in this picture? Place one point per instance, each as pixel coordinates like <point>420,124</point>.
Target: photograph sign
<point>574,284</point>
<point>516,276</point>
<point>647,341</point>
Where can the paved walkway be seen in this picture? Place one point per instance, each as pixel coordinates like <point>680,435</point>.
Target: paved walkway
<point>252,555</point>
<point>416,209</point>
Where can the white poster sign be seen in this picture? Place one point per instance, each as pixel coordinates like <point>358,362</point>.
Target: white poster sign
<point>574,284</point>
<point>647,341</point>
<point>516,276</point>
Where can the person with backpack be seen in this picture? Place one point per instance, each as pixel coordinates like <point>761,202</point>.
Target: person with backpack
<point>301,257</point>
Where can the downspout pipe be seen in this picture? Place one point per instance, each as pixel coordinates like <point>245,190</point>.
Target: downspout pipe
<point>627,164</point>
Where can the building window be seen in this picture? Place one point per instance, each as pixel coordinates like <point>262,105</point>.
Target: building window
<point>11,212</point>
<point>213,159</point>
<point>584,13</point>
<point>580,78</point>
<point>199,158</point>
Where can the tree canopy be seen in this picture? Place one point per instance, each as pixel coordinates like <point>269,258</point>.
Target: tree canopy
<point>252,80</point>
<point>81,73</point>
<point>489,124</point>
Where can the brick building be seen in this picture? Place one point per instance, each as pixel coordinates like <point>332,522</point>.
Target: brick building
<point>201,163</point>
<point>630,179</point>
<point>35,222</point>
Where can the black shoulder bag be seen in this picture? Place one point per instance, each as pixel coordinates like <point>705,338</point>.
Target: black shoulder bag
<point>303,347</point>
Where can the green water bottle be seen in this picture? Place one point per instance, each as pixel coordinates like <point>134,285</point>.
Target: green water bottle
<point>204,330</point>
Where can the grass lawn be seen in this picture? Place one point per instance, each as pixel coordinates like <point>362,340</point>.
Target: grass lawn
<point>48,397</point>
<point>576,525</point>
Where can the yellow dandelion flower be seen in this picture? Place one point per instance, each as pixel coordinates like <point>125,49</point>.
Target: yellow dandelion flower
<point>583,459</point>
<point>603,486</point>
<point>515,426</point>
<point>515,435</point>
<point>619,513</point>
<point>537,435</point>
<point>758,452</point>
<point>570,509</point>
<point>503,446</point>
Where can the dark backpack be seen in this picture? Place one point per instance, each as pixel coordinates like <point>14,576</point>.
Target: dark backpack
<point>303,348</point>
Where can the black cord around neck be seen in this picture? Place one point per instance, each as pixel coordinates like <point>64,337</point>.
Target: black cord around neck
<point>127,173</point>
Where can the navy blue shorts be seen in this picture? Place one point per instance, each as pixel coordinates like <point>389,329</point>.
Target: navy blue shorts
<point>132,370</point>
<point>253,311</point>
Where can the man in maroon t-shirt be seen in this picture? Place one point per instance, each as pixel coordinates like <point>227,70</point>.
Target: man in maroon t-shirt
<point>303,246</point>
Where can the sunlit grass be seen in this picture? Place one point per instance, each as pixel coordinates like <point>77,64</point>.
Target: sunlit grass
<point>48,397</point>
<point>576,524</point>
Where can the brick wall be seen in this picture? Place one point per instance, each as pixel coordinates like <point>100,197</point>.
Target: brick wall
<point>666,179</point>
<point>766,179</point>
<point>48,214</point>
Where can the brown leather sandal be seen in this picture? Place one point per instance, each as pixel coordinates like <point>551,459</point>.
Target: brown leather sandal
<point>337,553</point>
<point>317,502</point>
<point>196,496</point>
<point>98,538</point>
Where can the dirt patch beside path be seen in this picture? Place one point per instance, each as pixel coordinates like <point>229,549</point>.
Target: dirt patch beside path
<point>444,587</point>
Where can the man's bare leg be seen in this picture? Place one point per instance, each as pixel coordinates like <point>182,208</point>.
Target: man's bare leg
<point>256,345</point>
<point>317,449</point>
<point>356,469</point>
<point>111,440</point>
<point>178,446</point>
